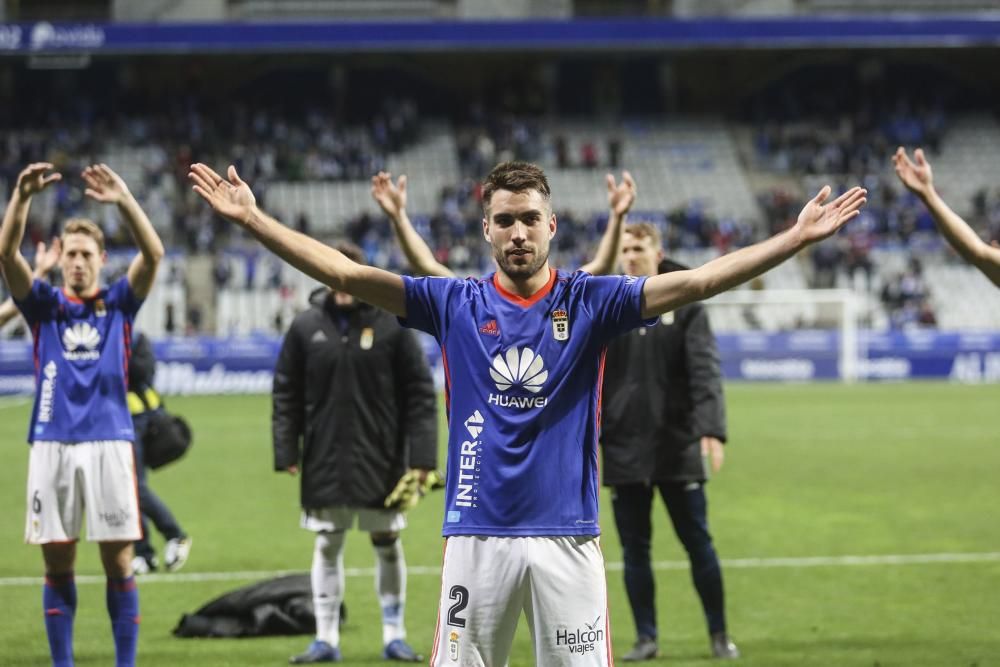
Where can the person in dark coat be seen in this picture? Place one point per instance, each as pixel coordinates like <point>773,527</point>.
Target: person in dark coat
<point>355,410</point>
<point>663,425</point>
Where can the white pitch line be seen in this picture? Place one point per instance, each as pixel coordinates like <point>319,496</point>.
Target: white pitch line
<point>617,566</point>
<point>13,403</point>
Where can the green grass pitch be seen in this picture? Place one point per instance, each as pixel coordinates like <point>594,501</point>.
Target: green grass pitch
<point>814,473</point>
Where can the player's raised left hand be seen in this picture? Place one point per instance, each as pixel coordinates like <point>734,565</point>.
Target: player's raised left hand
<point>230,198</point>
<point>104,185</point>
<point>621,196</point>
<point>820,219</point>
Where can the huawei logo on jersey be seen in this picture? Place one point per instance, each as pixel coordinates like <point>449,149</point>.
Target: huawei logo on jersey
<point>519,368</point>
<point>80,342</point>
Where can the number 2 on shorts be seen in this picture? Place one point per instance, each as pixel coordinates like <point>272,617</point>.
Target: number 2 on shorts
<point>461,596</point>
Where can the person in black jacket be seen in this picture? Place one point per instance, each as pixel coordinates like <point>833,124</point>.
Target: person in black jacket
<point>663,421</point>
<point>354,408</point>
<point>143,399</point>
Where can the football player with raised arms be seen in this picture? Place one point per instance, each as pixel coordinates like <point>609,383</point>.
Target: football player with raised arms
<point>81,461</point>
<point>523,350</point>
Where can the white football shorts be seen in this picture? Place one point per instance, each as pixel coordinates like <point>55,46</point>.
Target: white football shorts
<point>67,481</point>
<point>559,583</point>
<point>370,520</point>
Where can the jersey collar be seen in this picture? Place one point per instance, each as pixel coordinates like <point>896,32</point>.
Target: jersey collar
<point>72,298</point>
<point>520,300</point>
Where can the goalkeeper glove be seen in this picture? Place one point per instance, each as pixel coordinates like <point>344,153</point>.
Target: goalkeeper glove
<point>434,481</point>
<point>410,488</point>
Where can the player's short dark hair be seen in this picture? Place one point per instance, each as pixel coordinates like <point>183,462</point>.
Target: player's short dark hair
<point>85,227</point>
<point>515,177</point>
<point>351,251</point>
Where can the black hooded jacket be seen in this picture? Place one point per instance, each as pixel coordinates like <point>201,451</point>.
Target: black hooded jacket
<point>354,404</point>
<point>662,394</point>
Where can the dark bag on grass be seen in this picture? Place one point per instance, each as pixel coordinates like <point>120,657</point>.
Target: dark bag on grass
<point>281,606</point>
<point>165,439</point>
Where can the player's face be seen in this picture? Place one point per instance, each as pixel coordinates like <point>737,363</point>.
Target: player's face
<point>640,255</point>
<point>81,262</point>
<point>519,226</point>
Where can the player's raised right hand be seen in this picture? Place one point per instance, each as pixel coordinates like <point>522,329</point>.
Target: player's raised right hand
<point>33,179</point>
<point>232,199</point>
<point>621,196</point>
<point>915,174</point>
<point>391,197</point>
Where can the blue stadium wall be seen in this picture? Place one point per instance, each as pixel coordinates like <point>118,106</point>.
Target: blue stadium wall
<point>245,365</point>
<point>626,34</point>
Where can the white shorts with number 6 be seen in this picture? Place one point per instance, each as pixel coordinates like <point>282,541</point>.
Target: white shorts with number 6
<point>558,582</point>
<point>68,481</point>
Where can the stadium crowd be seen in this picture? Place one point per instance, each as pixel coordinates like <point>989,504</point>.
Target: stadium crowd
<point>313,144</point>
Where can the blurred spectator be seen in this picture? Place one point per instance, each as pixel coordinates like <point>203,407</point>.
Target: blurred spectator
<point>614,153</point>
<point>905,297</point>
<point>562,152</point>
<point>826,258</point>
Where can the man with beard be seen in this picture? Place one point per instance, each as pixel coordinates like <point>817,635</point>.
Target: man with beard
<point>523,351</point>
<point>661,385</point>
<point>391,198</point>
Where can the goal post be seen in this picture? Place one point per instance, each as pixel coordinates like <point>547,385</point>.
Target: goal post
<point>773,311</point>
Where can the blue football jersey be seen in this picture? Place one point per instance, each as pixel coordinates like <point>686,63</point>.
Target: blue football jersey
<point>82,350</point>
<point>523,388</point>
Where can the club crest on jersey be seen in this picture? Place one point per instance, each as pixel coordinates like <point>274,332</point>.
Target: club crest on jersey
<point>560,324</point>
<point>367,338</point>
<point>490,328</point>
<point>100,309</point>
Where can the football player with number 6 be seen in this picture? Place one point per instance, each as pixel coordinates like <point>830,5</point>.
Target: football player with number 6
<point>81,461</point>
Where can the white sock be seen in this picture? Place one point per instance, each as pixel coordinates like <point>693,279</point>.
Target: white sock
<point>328,585</point>
<point>390,585</point>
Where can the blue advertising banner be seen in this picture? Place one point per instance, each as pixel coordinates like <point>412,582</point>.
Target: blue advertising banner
<point>245,365</point>
<point>437,35</point>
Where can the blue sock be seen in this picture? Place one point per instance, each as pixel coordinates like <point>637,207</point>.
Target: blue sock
<point>59,603</point>
<point>123,608</point>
